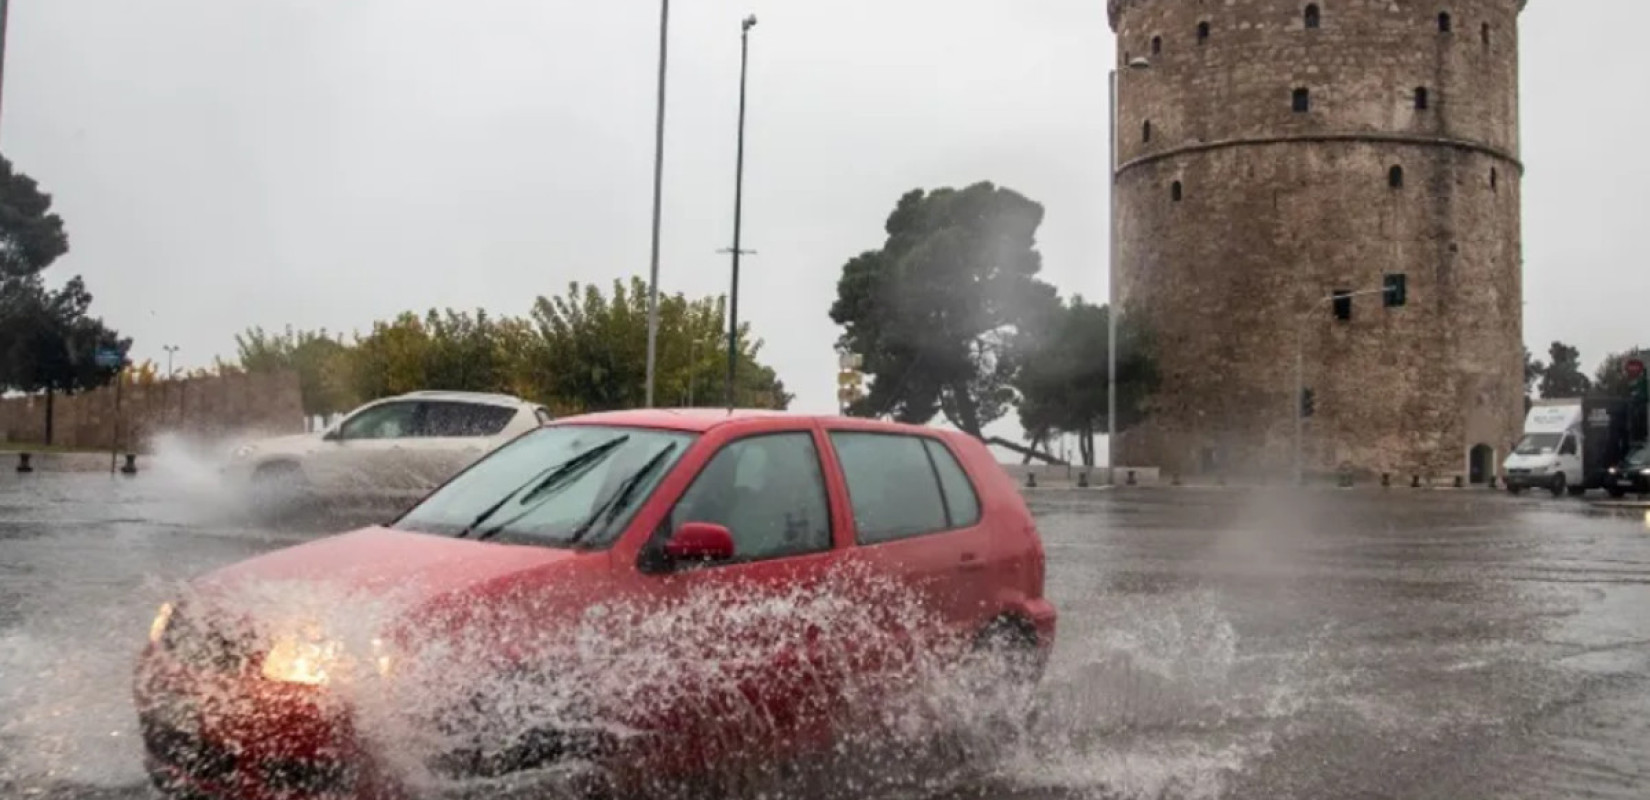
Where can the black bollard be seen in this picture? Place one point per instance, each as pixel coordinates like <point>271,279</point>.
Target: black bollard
<point>1346,479</point>
<point>1083,479</point>
<point>1492,482</point>
<point>1031,480</point>
<point>23,464</point>
<point>1459,482</point>
<point>1414,481</point>
<point>130,468</point>
<point>1386,480</point>
<point>1131,480</point>
<point>1174,479</point>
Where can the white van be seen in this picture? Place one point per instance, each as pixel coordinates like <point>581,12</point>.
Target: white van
<point>1549,455</point>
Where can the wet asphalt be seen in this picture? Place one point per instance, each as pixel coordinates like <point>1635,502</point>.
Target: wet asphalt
<point>1213,644</point>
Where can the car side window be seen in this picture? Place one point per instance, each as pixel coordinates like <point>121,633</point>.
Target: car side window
<point>388,421</point>
<point>962,503</point>
<point>464,420</point>
<point>768,491</point>
<point>892,484</point>
<point>1569,446</point>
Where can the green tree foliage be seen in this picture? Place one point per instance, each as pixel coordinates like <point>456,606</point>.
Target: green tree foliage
<point>31,236</point>
<point>934,313</point>
<point>1063,379</point>
<point>320,360</point>
<point>574,353</point>
<point>1611,379</point>
<point>1563,377</point>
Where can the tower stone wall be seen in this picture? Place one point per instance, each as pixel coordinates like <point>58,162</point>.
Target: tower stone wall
<point>1266,163</point>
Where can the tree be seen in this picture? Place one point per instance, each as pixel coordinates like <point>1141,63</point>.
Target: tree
<point>1063,381</point>
<point>1563,377</point>
<point>31,237</point>
<point>1534,368</point>
<point>935,311</point>
<point>1611,378</point>
<point>321,361</point>
<point>586,352</point>
<point>50,342</point>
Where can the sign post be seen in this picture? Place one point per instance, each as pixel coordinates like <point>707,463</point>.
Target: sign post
<point>113,358</point>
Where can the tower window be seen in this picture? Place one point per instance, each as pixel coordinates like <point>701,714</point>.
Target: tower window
<point>1314,17</point>
<point>1157,45</point>
<point>1422,98</point>
<point>1445,23</point>
<point>1395,177</point>
<point>1202,32</point>
<point>1146,131</point>
<point>1343,305</point>
<point>1303,100</point>
<point>1495,178</point>
<point>1484,33</point>
<point>1396,285</point>
<point>1175,191</point>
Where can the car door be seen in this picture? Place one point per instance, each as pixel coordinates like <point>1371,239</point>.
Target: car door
<point>748,630</point>
<point>919,536</point>
<point>367,451</point>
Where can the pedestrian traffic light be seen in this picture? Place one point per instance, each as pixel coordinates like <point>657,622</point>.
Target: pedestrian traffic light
<point>1308,403</point>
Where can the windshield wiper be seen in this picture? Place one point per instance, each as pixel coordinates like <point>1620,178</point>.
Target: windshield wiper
<point>544,481</point>
<point>620,499</point>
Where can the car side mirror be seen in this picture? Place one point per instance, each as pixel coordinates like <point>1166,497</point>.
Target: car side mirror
<point>332,436</point>
<point>700,541</point>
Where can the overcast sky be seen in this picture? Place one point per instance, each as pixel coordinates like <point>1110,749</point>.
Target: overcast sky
<point>225,163</point>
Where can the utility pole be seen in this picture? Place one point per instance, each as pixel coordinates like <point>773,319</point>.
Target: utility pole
<point>5,16</point>
<point>738,209</point>
<point>658,192</point>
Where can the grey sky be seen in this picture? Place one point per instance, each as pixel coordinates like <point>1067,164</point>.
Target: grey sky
<point>224,163</point>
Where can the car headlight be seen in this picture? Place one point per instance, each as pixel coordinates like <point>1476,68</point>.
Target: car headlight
<point>163,618</point>
<point>314,660</point>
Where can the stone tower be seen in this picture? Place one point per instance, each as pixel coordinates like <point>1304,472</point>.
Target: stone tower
<point>1276,152</point>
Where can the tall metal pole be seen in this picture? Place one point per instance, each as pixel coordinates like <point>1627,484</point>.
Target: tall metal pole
<point>1111,274</point>
<point>5,15</point>
<point>738,209</point>
<point>658,191</point>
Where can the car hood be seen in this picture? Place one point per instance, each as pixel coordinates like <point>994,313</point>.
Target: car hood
<point>380,560</point>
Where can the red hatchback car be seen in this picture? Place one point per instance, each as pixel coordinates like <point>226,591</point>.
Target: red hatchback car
<point>648,591</point>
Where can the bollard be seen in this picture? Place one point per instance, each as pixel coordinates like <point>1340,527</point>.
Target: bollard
<point>1131,480</point>
<point>1386,480</point>
<point>1174,479</point>
<point>1346,479</point>
<point>1492,482</point>
<point>1459,482</point>
<point>130,468</point>
<point>1083,479</point>
<point>23,464</point>
<point>1414,481</point>
<point>1031,480</point>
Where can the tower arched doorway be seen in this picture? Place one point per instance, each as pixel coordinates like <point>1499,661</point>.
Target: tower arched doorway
<point>1481,464</point>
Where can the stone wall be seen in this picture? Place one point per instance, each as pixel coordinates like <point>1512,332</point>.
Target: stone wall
<point>1238,215</point>
<point>207,407</point>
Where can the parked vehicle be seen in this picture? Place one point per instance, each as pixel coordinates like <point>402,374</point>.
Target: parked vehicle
<point>1631,474</point>
<point>398,447</point>
<point>1569,446</point>
<point>783,566</point>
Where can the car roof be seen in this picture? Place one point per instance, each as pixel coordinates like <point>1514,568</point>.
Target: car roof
<point>492,398</point>
<point>701,420</point>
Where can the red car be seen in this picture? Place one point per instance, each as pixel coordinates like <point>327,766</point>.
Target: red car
<point>651,592</point>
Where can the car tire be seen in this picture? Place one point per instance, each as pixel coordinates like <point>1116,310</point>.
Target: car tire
<point>1616,492</point>
<point>1577,491</point>
<point>1515,490</point>
<point>1005,671</point>
<point>1559,485</point>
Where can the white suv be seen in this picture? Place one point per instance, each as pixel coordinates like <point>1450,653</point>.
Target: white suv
<point>398,447</point>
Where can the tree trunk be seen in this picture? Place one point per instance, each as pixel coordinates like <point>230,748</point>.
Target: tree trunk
<point>50,397</point>
<point>968,416</point>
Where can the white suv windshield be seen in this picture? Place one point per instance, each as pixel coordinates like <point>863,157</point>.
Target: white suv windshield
<point>551,484</point>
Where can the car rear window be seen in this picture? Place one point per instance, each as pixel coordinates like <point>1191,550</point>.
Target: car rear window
<point>464,419</point>
<point>900,486</point>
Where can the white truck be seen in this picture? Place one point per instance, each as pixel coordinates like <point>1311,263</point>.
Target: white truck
<point>1569,445</point>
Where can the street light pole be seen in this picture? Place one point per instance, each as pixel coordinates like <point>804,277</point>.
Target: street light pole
<point>738,208</point>
<point>1300,368</point>
<point>170,349</point>
<point>1139,64</point>
<point>658,190</point>
<point>5,16</point>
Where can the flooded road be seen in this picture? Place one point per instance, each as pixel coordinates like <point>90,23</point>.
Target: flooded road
<point>1213,644</point>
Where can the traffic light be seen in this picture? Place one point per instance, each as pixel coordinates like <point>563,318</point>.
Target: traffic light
<point>1309,403</point>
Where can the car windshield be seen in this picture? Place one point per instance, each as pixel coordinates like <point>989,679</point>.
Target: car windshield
<point>1640,457</point>
<point>553,486</point>
<point>1534,444</point>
